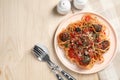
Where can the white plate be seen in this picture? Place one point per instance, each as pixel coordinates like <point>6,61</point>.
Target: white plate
<point>108,56</point>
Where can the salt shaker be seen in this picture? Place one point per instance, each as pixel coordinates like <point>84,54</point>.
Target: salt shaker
<point>63,7</point>
<point>79,4</point>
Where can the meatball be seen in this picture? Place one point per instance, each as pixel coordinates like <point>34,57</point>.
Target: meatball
<point>97,27</point>
<point>64,36</point>
<point>105,44</point>
<point>86,59</point>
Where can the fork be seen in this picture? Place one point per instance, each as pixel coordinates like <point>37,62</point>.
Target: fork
<point>42,54</point>
<point>42,57</point>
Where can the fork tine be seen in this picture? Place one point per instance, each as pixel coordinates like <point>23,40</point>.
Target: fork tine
<point>36,53</point>
<point>40,50</point>
<point>36,48</point>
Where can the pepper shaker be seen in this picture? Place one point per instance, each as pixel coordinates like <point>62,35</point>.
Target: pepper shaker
<point>79,4</point>
<point>63,7</point>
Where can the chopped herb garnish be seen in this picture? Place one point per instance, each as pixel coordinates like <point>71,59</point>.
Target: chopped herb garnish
<point>66,45</point>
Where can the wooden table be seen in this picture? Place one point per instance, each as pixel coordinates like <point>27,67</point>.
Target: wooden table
<point>23,23</point>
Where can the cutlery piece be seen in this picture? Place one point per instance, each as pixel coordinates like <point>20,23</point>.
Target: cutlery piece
<point>57,75</point>
<point>43,57</point>
<point>42,54</point>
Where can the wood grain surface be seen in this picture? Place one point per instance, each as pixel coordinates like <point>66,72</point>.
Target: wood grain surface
<point>23,23</point>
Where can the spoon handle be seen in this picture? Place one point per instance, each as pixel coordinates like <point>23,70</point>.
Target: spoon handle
<point>67,75</point>
<point>53,68</point>
<point>64,73</point>
<point>59,77</point>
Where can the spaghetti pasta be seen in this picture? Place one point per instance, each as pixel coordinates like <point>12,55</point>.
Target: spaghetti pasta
<point>84,42</point>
